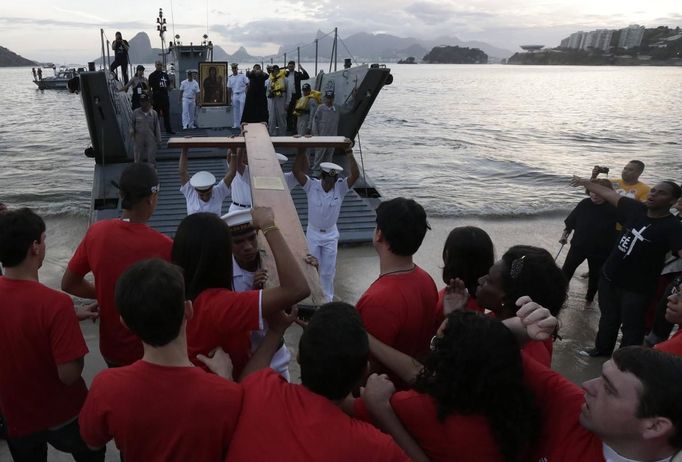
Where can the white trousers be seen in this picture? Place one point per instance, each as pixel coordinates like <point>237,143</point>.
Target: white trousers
<point>277,116</point>
<point>237,108</point>
<point>280,361</point>
<point>188,108</point>
<point>324,247</point>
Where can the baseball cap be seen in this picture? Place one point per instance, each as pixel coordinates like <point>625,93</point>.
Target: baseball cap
<point>137,181</point>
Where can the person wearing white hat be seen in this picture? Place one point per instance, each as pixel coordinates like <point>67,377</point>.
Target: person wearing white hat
<point>325,197</point>
<point>247,275</point>
<point>201,191</point>
<point>289,177</point>
<point>237,85</point>
<point>189,90</point>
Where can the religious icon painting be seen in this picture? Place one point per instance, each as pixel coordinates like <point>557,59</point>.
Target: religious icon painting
<point>213,82</point>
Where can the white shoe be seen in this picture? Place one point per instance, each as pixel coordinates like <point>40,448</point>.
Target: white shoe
<point>193,126</point>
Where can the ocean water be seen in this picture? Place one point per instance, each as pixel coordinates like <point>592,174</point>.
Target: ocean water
<point>462,140</point>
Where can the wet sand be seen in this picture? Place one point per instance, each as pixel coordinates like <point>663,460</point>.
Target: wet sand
<point>357,267</point>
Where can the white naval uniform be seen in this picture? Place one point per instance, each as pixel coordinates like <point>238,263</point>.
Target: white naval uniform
<point>291,180</point>
<point>322,233</point>
<point>241,191</point>
<point>238,84</point>
<point>214,204</point>
<point>242,281</point>
<point>189,102</point>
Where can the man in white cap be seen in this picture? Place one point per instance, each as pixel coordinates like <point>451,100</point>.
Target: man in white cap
<point>241,184</point>
<point>201,191</point>
<point>325,197</point>
<point>247,274</point>
<point>237,85</point>
<point>189,90</point>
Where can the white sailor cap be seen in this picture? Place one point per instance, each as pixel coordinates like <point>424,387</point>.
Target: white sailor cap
<point>281,158</point>
<point>193,71</point>
<point>331,168</point>
<point>201,181</point>
<point>238,221</point>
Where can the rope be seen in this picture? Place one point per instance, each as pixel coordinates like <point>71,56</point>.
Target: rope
<point>348,51</point>
<point>362,160</point>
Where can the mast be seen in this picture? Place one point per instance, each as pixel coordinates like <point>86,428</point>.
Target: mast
<point>161,28</point>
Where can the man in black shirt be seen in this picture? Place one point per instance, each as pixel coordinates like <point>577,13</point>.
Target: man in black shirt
<point>630,273</point>
<point>298,76</point>
<point>159,82</point>
<point>120,48</point>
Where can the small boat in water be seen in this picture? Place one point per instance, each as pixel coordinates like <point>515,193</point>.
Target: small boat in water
<point>60,80</point>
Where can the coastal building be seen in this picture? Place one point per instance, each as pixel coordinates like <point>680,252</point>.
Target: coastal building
<point>631,36</point>
<point>599,39</point>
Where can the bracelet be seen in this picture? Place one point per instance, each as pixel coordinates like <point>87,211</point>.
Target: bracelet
<point>267,229</point>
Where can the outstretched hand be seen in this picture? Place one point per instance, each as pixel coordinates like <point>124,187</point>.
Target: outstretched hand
<point>456,296</point>
<point>218,362</point>
<point>537,320</point>
<point>88,312</point>
<point>279,321</point>
<point>576,181</point>
<point>262,217</point>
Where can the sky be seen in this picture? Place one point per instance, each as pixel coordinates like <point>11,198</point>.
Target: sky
<point>68,31</point>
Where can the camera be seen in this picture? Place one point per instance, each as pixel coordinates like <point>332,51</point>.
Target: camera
<point>601,169</point>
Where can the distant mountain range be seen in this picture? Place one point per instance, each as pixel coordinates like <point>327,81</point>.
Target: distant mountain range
<point>9,59</point>
<point>365,47</point>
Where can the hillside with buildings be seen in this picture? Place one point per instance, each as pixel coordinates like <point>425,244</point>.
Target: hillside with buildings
<point>632,45</point>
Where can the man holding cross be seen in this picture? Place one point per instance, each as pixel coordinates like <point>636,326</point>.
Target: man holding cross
<point>629,276</point>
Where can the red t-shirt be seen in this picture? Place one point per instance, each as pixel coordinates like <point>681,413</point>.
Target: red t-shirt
<point>38,331</point>
<point>540,350</point>
<point>223,318</point>
<point>285,422</point>
<point>464,438</point>
<point>158,413</point>
<point>564,439</point>
<point>673,345</point>
<point>400,310</point>
<point>107,250</point>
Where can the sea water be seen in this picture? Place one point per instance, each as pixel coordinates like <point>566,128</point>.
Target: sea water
<point>463,140</point>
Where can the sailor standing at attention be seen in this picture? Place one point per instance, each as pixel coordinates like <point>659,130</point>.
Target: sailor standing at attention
<point>325,197</point>
<point>201,191</point>
<point>325,123</point>
<point>237,85</point>
<point>189,90</point>
<point>146,131</point>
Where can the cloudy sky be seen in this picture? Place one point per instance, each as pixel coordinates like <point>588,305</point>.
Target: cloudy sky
<point>68,31</point>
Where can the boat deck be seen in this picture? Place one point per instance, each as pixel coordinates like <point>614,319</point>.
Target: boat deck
<point>356,222</point>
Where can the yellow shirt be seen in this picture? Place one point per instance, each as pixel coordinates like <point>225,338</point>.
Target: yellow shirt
<point>637,191</point>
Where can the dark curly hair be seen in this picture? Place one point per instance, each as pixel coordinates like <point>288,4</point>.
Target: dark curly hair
<point>468,254</point>
<point>532,271</point>
<point>476,354</point>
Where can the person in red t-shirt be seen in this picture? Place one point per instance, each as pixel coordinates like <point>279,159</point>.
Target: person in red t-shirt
<point>451,412</point>
<point>161,408</point>
<point>41,388</point>
<point>109,248</point>
<point>468,254</point>
<point>399,308</point>
<point>673,314</point>
<point>632,412</point>
<point>222,317</point>
<point>523,270</point>
<point>304,423</point>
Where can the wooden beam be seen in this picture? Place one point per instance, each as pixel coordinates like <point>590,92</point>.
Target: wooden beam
<point>276,141</point>
<point>268,189</point>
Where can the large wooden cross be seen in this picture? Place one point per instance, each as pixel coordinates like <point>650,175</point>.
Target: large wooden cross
<point>269,189</point>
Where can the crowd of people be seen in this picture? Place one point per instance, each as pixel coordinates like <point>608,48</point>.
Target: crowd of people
<point>192,335</point>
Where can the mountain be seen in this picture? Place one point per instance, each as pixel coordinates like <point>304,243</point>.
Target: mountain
<point>386,47</point>
<point>9,58</point>
<point>455,55</point>
<point>241,56</point>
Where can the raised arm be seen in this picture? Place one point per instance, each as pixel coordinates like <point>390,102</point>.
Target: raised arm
<point>301,166</point>
<point>241,161</point>
<point>232,160</point>
<point>182,168</point>
<point>354,169</point>
<point>304,73</point>
<point>404,366</point>
<point>293,286</point>
<point>532,321</point>
<point>609,195</point>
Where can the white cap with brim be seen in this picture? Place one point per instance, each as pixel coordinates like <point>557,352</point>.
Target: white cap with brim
<point>237,218</point>
<point>281,158</point>
<point>202,181</point>
<point>331,168</point>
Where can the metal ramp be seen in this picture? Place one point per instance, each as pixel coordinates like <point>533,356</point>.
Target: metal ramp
<point>356,222</point>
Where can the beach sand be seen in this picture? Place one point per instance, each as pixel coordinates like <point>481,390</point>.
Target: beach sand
<point>357,267</point>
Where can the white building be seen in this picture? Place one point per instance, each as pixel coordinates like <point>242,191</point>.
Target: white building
<point>631,36</point>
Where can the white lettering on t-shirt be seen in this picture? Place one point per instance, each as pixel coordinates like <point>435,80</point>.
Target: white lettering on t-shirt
<point>630,239</point>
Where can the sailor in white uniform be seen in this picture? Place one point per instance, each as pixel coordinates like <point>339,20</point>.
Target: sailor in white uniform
<point>189,89</point>
<point>247,274</point>
<point>238,85</point>
<point>325,197</point>
<point>241,184</point>
<point>201,191</point>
